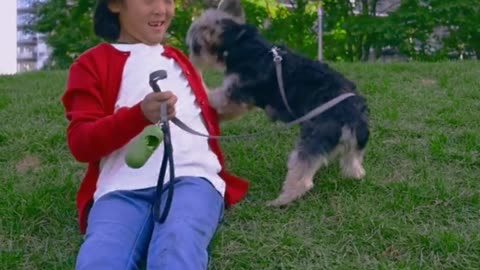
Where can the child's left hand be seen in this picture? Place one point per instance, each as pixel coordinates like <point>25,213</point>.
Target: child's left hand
<point>152,102</point>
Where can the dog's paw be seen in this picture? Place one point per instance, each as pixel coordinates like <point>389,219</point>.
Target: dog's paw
<point>354,172</point>
<point>359,174</point>
<point>271,113</point>
<point>218,99</point>
<point>279,202</point>
<point>352,167</point>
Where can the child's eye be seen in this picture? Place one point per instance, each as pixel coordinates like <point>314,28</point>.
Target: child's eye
<point>164,1</point>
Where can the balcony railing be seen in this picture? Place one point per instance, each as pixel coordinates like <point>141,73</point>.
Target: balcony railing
<point>26,38</point>
<point>25,10</point>
<point>26,66</point>
<point>22,4</point>
<point>27,56</point>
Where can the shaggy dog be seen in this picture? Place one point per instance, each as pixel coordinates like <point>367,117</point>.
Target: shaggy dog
<point>221,40</point>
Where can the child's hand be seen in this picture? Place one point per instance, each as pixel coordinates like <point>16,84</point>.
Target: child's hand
<point>151,105</point>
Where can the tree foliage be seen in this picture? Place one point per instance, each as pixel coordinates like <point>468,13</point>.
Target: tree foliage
<point>417,29</point>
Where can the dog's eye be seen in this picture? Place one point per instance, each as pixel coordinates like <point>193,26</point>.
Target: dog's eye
<point>196,47</point>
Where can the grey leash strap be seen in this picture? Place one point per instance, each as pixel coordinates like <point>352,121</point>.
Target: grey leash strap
<point>315,112</point>
<point>179,123</point>
<point>319,110</point>
<point>188,129</point>
<point>278,67</point>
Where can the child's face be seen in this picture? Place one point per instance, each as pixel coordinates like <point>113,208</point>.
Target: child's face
<point>144,21</point>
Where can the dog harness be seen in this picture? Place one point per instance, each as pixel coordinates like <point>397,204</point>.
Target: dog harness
<point>277,59</point>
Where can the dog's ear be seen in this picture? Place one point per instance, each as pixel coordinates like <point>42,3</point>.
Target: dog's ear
<point>233,8</point>
<point>234,33</point>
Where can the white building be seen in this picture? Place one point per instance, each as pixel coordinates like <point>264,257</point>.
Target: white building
<point>8,46</point>
<point>32,50</point>
<point>20,51</point>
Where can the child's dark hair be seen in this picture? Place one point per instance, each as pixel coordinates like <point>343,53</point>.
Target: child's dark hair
<point>105,23</point>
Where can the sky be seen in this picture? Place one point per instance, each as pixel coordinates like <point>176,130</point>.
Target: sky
<point>8,35</point>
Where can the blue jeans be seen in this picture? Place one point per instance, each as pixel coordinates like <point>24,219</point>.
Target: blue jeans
<point>122,234</point>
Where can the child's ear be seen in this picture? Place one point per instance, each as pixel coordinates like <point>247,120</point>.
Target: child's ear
<point>114,6</point>
<point>234,8</point>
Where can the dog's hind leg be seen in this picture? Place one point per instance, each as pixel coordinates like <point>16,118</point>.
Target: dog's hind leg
<point>351,160</point>
<point>351,163</point>
<point>299,180</point>
<point>320,141</point>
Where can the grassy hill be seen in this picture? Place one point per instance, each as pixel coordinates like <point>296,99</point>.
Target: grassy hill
<point>418,208</point>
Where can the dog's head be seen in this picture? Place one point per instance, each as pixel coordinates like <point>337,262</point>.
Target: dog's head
<point>215,29</point>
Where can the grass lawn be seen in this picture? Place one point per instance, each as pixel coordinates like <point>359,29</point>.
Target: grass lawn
<point>418,208</point>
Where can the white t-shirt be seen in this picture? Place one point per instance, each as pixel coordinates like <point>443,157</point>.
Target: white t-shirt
<point>192,154</point>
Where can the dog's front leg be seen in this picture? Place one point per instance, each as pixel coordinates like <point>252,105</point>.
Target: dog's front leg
<point>220,99</point>
<point>271,113</point>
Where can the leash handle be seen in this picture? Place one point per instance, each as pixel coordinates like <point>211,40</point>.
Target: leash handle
<point>163,113</point>
<point>154,77</point>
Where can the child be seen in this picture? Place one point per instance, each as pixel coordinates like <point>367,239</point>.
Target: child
<point>108,102</point>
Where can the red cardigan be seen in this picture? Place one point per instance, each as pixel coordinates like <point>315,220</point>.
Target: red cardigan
<point>95,130</point>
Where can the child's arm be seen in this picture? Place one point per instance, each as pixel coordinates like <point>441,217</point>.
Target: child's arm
<point>92,134</point>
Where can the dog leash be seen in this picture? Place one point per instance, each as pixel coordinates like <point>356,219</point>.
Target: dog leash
<point>315,112</point>
<point>167,155</point>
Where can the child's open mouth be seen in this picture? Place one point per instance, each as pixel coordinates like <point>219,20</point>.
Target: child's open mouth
<point>157,25</point>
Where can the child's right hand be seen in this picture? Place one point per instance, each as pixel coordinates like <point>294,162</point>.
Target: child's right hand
<point>151,105</point>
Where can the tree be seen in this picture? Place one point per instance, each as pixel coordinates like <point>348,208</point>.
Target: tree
<point>352,30</point>
<point>461,21</point>
<point>68,28</point>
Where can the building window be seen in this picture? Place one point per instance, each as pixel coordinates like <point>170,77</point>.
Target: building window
<point>26,66</point>
<point>25,19</point>
<point>26,52</point>
<point>25,3</point>
<point>23,36</point>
